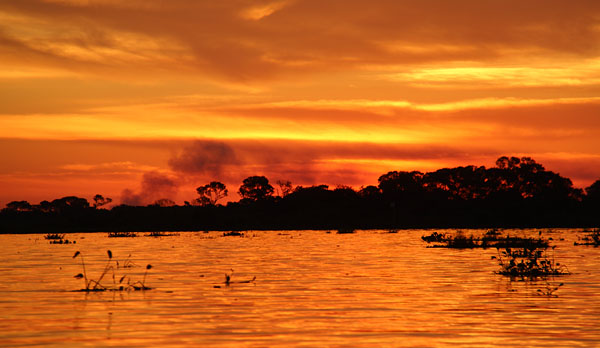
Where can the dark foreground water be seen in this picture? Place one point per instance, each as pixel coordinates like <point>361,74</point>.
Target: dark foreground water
<point>312,289</point>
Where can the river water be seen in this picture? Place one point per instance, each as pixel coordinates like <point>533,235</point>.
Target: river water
<point>312,289</point>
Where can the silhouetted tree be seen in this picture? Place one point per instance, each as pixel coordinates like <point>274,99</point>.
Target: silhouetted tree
<point>285,187</point>
<point>69,203</point>
<point>593,191</point>
<point>400,184</point>
<point>44,206</point>
<point>507,163</point>
<point>99,200</point>
<point>211,193</point>
<point>256,188</point>
<point>19,206</point>
<point>369,192</point>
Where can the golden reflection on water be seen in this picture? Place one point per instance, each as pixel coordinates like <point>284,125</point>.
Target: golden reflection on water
<point>368,289</point>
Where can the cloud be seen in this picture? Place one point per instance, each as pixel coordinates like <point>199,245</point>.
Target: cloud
<point>204,157</point>
<point>126,167</point>
<point>154,186</point>
<point>261,11</point>
<point>253,40</point>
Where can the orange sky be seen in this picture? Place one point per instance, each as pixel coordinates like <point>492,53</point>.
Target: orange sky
<point>159,97</point>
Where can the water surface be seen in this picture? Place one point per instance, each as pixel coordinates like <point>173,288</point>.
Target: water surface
<point>312,289</point>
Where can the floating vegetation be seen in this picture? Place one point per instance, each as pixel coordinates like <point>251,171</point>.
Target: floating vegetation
<point>491,239</point>
<point>121,234</point>
<point>233,234</point>
<point>57,238</point>
<point>124,283</point>
<point>529,263</point>
<point>435,237</point>
<point>345,231</point>
<point>62,241</point>
<point>162,234</point>
<point>228,280</point>
<point>591,238</point>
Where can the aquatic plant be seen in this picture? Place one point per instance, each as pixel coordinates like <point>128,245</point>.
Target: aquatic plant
<point>591,238</point>
<point>126,264</point>
<point>96,285</point>
<point>57,238</point>
<point>435,237</point>
<point>140,285</point>
<point>491,239</point>
<point>233,234</point>
<point>528,263</point>
<point>54,236</point>
<point>161,234</point>
<point>121,234</point>
<point>228,280</point>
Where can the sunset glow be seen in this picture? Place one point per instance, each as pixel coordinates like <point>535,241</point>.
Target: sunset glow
<point>96,95</point>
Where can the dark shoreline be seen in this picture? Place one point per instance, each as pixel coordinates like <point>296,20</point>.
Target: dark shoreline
<point>275,216</point>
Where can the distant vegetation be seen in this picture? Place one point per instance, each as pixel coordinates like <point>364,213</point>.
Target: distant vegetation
<point>491,239</point>
<point>517,192</point>
<point>592,237</point>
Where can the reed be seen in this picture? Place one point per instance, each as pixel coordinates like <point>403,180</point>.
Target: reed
<point>96,285</point>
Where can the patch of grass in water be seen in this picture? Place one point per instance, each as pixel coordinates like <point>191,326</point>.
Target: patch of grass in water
<point>491,239</point>
<point>122,234</point>
<point>58,238</point>
<point>530,263</point>
<point>591,238</point>
<point>95,285</point>
<point>233,234</point>
<point>162,234</point>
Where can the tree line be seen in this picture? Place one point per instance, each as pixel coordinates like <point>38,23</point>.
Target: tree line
<point>516,192</point>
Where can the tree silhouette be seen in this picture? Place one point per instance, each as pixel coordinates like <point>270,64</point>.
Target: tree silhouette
<point>211,193</point>
<point>369,192</point>
<point>285,187</point>
<point>397,185</point>
<point>19,206</point>
<point>69,203</point>
<point>593,191</point>
<point>99,201</point>
<point>256,188</point>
